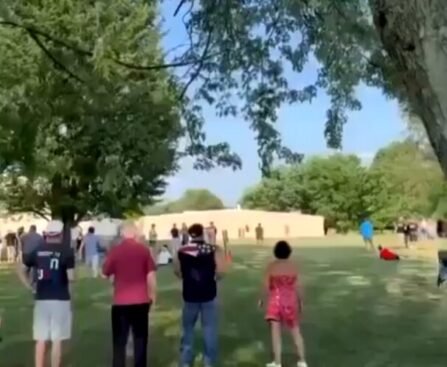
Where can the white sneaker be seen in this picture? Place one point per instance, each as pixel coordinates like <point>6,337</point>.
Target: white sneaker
<point>273,364</point>
<point>301,364</point>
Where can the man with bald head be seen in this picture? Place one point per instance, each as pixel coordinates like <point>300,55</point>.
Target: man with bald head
<point>132,268</point>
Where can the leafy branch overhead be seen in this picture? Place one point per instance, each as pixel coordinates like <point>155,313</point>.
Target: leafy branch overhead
<point>244,56</point>
<point>101,142</point>
<point>101,45</point>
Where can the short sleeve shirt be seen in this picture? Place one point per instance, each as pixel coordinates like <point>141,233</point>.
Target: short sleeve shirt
<point>51,262</point>
<point>129,263</point>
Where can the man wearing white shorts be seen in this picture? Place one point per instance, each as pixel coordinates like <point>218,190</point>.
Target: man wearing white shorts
<point>54,265</point>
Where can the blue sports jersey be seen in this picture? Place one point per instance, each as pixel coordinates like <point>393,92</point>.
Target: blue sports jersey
<point>51,262</point>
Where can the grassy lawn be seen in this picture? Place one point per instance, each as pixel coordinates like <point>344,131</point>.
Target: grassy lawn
<point>359,312</point>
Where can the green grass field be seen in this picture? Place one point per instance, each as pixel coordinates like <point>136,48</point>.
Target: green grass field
<point>359,312</point>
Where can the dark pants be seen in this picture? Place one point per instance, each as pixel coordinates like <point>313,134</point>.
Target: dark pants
<point>124,319</point>
<point>208,317</point>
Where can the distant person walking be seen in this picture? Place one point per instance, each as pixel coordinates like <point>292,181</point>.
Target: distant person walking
<point>12,245</point>
<point>132,268</point>
<point>199,264</point>
<point>184,234</point>
<point>211,234</point>
<point>92,246</point>
<point>225,239</point>
<point>284,303</point>
<point>52,321</point>
<point>259,233</point>
<point>153,241</point>
<point>367,233</point>
<point>176,241</point>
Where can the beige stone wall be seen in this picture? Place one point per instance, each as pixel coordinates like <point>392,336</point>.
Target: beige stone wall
<point>275,224</point>
<point>233,220</point>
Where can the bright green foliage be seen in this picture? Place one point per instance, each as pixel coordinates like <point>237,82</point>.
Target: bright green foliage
<point>252,51</point>
<point>337,187</point>
<point>197,199</point>
<point>87,136</point>
<point>414,179</point>
<point>251,45</point>
<point>402,181</point>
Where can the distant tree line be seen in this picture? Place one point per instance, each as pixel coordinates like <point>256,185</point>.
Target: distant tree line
<point>198,199</point>
<point>403,180</point>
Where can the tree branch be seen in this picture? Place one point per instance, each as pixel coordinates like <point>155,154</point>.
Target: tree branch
<point>199,68</point>
<point>59,65</point>
<point>34,31</point>
<point>179,7</point>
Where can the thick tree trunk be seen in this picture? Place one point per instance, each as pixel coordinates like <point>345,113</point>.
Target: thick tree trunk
<point>414,34</point>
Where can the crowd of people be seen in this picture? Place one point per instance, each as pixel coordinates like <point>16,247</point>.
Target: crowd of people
<point>46,268</point>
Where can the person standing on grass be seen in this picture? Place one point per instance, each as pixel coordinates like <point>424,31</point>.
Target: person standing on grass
<point>198,264</point>
<point>284,303</point>
<point>153,236</point>
<point>259,233</point>
<point>132,269</point>
<point>367,233</point>
<point>184,234</point>
<point>30,242</point>
<point>54,264</point>
<point>92,245</point>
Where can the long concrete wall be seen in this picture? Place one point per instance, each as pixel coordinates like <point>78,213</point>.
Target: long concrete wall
<point>238,222</point>
<point>241,223</point>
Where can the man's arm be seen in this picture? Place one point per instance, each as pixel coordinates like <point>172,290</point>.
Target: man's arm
<point>22,269</point>
<point>177,268</point>
<point>70,264</point>
<point>265,286</point>
<point>151,278</point>
<point>152,286</point>
<point>22,273</point>
<point>221,263</point>
<point>108,268</point>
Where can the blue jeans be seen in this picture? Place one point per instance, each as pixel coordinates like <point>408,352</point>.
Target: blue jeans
<point>208,318</point>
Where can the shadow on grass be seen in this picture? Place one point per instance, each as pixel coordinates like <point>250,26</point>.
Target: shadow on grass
<point>359,312</point>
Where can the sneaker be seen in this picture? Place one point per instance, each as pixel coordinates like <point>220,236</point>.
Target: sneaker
<point>273,364</point>
<point>301,364</point>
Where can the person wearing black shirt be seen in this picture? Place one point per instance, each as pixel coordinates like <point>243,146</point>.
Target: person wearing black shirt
<point>54,264</point>
<point>199,264</point>
<point>174,231</point>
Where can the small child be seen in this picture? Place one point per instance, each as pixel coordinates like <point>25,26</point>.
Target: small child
<point>283,303</point>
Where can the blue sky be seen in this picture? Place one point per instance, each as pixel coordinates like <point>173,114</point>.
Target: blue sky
<point>301,126</point>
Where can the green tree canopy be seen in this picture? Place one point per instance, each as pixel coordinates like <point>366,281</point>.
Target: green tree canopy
<point>337,187</point>
<point>192,199</point>
<point>240,52</point>
<point>402,181</point>
<point>83,130</point>
<point>414,178</point>
<point>96,138</point>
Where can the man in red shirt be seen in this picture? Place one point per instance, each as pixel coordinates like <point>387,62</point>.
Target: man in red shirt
<point>132,269</point>
<point>387,254</point>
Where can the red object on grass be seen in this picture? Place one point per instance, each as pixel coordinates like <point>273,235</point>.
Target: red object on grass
<point>386,254</point>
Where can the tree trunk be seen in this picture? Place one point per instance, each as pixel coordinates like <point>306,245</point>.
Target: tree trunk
<point>414,34</point>
<point>67,216</point>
